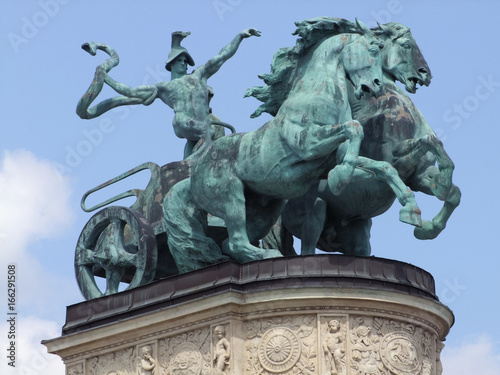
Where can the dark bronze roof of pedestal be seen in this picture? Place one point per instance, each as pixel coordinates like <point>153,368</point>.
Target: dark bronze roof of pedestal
<point>325,271</point>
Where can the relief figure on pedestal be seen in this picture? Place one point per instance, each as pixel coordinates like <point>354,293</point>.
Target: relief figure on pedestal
<point>334,348</point>
<point>147,363</point>
<point>222,351</point>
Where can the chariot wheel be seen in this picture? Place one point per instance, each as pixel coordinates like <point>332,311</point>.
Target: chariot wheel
<point>117,244</point>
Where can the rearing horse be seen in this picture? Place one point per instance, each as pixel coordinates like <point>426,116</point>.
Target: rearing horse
<point>246,179</point>
<point>398,137</point>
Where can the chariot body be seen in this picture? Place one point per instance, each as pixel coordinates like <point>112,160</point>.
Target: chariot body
<point>128,245</point>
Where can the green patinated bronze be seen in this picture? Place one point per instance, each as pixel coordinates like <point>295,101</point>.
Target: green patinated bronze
<point>399,150</point>
<point>344,142</point>
<point>127,244</point>
<point>246,179</point>
<point>187,94</point>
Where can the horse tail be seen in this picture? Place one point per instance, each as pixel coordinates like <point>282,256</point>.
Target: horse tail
<point>224,124</point>
<point>82,108</point>
<point>208,140</point>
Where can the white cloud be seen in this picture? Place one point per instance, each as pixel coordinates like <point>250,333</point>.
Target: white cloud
<point>33,201</point>
<point>30,356</point>
<point>34,205</point>
<point>476,356</point>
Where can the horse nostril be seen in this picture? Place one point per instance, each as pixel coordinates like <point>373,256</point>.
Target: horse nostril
<point>376,81</point>
<point>423,71</point>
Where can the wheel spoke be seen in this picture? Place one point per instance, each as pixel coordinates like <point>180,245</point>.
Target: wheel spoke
<point>113,279</point>
<point>122,245</point>
<point>127,259</point>
<point>85,257</point>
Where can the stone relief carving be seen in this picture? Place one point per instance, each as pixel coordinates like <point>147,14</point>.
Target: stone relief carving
<point>279,350</point>
<point>364,354</point>
<point>400,353</point>
<point>186,354</point>
<point>439,365</point>
<point>383,346</point>
<point>333,344</point>
<point>146,362</point>
<point>121,362</point>
<point>289,345</point>
<point>282,345</point>
<point>222,350</point>
<point>76,369</point>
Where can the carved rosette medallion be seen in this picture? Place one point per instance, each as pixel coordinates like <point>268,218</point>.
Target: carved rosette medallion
<point>401,354</point>
<point>279,350</point>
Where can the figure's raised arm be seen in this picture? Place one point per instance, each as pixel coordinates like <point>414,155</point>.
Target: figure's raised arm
<point>214,64</point>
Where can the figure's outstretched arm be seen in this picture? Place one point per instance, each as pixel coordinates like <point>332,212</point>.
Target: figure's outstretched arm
<point>140,95</point>
<point>214,64</point>
<point>146,93</point>
<point>104,106</point>
<point>130,96</point>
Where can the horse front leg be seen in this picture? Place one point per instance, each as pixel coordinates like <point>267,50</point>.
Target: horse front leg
<point>410,155</point>
<point>431,180</point>
<point>384,171</point>
<point>347,157</point>
<point>427,183</point>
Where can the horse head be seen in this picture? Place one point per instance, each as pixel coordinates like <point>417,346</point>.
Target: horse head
<point>402,59</point>
<point>362,60</point>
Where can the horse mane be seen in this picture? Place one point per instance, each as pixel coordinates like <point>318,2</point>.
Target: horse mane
<point>397,30</point>
<point>311,33</point>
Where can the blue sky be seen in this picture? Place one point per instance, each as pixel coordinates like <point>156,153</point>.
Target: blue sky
<point>50,157</point>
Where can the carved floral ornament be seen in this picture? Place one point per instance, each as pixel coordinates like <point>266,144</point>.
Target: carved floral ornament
<point>302,344</point>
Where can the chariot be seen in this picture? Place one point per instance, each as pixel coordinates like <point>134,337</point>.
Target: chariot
<point>128,245</point>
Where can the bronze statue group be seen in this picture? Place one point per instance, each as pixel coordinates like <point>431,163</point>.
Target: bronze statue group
<point>344,142</point>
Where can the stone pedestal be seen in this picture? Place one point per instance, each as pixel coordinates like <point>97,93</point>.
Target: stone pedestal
<point>322,314</point>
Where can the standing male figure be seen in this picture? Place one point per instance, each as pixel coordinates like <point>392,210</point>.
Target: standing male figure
<point>187,94</point>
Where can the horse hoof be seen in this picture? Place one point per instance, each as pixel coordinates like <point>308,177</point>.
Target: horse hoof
<point>411,215</point>
<point>271,253</point>
<point>427,232</point>
<point>304,252</point>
